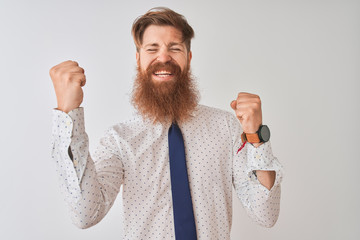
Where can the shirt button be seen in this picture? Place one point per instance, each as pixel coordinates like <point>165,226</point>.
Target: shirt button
<point>76,163</point>
<point>258,156</point>
<point>68,123</point>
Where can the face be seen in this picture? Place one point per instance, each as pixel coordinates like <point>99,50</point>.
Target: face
<point>163,89</point>
<point>162,44</point>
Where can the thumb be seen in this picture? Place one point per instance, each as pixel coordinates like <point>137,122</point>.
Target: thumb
<point>233,104</point>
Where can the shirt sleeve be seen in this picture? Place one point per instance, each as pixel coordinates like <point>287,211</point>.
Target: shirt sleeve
<point>89,184</point>
<point>261,204</point>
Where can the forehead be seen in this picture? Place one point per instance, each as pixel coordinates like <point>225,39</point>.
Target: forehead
<point>161,35</point>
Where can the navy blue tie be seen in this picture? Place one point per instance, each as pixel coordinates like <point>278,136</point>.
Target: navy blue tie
<point>184,220</point>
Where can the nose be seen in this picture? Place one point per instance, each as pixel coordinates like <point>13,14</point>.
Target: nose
<point>164,56</point>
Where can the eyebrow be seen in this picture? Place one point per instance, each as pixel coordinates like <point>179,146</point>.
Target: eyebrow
<point>174,44</point>
<point>151,45</point>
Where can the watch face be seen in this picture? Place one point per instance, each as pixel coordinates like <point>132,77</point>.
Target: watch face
<point>264,133</point>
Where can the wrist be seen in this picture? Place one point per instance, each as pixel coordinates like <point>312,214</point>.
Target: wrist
<point>257,144</point>
<point>261,136</point>
<point>67,109</point>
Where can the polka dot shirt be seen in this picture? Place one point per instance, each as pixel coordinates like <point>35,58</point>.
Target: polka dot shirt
<point>135,154</point>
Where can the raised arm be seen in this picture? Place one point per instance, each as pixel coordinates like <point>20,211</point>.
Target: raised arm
<point>257,173</point>
<point>89,183</point>
<point>247,108</point>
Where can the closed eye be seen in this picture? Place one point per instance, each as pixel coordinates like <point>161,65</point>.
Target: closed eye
<point>151,50</point>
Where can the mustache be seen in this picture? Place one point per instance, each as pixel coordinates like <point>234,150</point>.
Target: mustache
<point>171,67</point>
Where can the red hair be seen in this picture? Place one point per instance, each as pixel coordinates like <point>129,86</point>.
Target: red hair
<point>161,16</point>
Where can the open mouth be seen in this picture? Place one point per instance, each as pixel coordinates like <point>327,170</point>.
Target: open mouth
<point>163,74</point>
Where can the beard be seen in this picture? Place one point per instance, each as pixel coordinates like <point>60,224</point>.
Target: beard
<point>167,101</point>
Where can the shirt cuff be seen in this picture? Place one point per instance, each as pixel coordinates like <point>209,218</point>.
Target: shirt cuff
<point>68,124</point>
<point>262,158</point>
<point>68,129</point>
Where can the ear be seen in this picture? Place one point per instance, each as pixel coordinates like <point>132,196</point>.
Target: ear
<point>137,58</point>
<point>189,57</point>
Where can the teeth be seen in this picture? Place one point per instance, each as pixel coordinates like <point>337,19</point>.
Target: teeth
<point>162,73</point>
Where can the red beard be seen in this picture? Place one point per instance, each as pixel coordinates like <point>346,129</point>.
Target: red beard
<point>165,102</point>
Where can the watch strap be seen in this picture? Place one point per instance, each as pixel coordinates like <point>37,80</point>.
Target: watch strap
<point>250,137</point>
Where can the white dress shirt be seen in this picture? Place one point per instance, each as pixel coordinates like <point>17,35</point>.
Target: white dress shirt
<point>135,154</point>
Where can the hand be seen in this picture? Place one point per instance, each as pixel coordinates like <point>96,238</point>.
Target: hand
<point>68,78</point>
<point>247,108</point>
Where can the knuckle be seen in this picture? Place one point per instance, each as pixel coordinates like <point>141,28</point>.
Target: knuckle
<point>67,76</point>
<point>53,71</point>
<point>254,105</point>
<point>259,104</point>
<point>255,97</point>
<point>58,74</point>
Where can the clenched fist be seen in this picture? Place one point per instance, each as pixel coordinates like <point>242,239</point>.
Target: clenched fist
<point>247,108</point>
<point>68,78</point>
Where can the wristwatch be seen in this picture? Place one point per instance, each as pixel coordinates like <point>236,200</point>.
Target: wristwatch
<point>262,135</point>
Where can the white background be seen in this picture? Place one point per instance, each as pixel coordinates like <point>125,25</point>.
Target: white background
<point>301,57</point>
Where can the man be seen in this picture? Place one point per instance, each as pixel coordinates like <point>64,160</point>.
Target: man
<point>135,153</point>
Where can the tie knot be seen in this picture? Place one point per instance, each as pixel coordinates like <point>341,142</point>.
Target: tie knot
<point>174,125</point>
